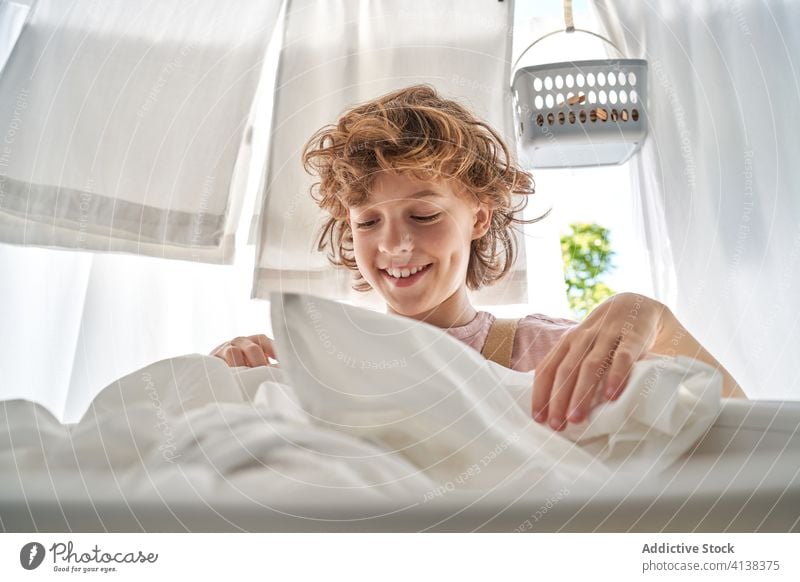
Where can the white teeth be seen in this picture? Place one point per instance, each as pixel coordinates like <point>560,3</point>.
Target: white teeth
<point>403,273</point>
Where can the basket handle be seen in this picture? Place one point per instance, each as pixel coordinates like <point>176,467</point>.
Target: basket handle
<point>569,27</point>
<point>569,24</point>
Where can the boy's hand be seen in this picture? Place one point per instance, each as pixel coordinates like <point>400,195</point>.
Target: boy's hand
<point>248,351</point>
<point>595,357</point>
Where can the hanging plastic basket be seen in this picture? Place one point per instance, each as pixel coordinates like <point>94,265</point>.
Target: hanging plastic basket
<point>580,113</point>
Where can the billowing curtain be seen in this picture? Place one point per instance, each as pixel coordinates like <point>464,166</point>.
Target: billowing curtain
<point>123,122</point>
<point>718,178</point>
<point>72,322</point>
<point>337,53</point>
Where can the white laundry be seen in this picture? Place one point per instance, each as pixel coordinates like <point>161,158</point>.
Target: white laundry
<point>363,406</point>
<point>425,396</point>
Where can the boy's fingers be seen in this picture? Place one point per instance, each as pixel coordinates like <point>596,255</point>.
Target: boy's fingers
<point>563,386</point>
<point>231,356</point>
<point>565,378</point>
<point>581,398</point>
<point>267,345</point>
<point>620,370</point>
<point>252,351</point>
<point>254,355</point>
<point>543,381</point>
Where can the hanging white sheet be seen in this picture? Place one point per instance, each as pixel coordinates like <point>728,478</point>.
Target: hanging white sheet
<point>122,124</point>
<point>339,53</point>
<point>717,177</point>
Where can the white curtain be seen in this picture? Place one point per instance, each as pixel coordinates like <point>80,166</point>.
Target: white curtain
<point>718,176</point>
<point>337,53</point>
<point>73,322</point>
<point>12,18</point>
<point>123,122</point>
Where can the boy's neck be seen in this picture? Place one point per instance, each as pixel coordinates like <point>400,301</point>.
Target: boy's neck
<point>454,311</point>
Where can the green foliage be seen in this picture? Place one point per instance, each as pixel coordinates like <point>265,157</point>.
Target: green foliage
<point>587,255</point>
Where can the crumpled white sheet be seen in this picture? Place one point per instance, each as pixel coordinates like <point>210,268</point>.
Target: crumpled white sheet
<point>364,405</point>
<point>415,390</point>
<point>191,428</point>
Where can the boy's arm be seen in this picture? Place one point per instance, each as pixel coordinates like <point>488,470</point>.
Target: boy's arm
<point>675,340</point>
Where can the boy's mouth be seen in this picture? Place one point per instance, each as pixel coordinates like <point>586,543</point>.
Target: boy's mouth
<point>405,277</point>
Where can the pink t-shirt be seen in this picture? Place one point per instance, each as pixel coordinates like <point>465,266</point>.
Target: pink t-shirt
<point>536,335</point>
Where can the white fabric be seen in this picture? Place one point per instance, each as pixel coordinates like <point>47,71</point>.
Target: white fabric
<point>717,177</point>
<point>123,125</point>
<point>420,392</point>
<point>190,429</point>
<point>193,429</point>
<point>343,52</point>
<point>12,17</point>
<point>75,322</point>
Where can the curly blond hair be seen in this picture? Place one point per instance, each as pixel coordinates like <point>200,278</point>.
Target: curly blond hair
<point>416,132</point>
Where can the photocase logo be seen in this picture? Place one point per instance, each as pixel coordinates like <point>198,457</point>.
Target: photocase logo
<point>31,555</point>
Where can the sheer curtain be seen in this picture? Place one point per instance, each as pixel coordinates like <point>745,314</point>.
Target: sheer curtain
<point>124,123</point>
<point>718,175</point>
<point>75,321</point>
<point>12,18</point>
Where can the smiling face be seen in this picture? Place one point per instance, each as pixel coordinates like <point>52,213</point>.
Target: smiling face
<point>412,245</point>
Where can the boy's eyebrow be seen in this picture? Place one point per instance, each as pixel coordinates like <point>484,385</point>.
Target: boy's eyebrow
<point>423,194</point>
<point>420,194</point>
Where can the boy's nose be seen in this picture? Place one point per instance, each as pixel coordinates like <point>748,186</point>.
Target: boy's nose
<point>396,242</point>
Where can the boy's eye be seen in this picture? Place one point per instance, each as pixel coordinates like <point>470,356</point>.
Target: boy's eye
<point>430,218</point>
<point>427,218</point>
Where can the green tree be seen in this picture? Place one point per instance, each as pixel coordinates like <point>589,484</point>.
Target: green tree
<point>587,255</point>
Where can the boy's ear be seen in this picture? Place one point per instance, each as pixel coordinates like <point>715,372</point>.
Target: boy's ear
<point>482,221</point>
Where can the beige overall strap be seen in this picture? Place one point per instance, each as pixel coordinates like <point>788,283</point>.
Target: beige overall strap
<point>500,341</point>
